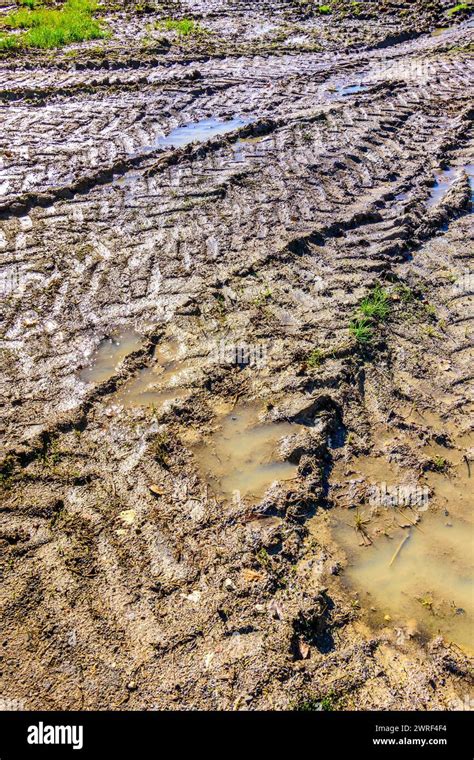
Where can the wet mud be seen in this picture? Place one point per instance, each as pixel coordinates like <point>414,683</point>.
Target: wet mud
<point>236,361</point>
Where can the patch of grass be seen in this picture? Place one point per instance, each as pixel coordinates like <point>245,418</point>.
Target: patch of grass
<point>220,299</point>
<point>51,454</point>
<point>361,330</point>
<point>459,8</point>
<point>307,705</point>
<point>356,7</point>
<point>311,704</point>
<point>263,557</point>
<point>406,294</point>
<point>7,468</point>
<point>8,43</point>
<point>373,309</point>
<point>184,27</point>
<point>323,9</point>
<point>48,28</point>
<point>316,358</point>
<point>431,332</point>
<point>376,305</point>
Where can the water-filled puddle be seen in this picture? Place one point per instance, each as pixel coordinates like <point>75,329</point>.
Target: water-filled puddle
<point>242,455</point>
<point>441,186</point>
<point>445,179</point>
<point>401,196</point>
<point>198,131</point>
<point>353,89</point>
<point>336,89</point>
<point>106,358</point>
<point>429,581</point>
<point>162,382</point>
<point>411,565</point>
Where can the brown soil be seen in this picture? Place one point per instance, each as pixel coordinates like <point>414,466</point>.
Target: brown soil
<point>130,578</point>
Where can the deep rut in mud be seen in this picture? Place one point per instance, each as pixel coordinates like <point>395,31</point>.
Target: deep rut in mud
<point>205,436</point>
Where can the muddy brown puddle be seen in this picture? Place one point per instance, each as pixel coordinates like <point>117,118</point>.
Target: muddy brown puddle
<point>159,383</point>
<point>412,568</point>
<point>242,455</point>
<point>110,352</point>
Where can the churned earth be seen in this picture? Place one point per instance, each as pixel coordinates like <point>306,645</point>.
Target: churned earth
<point>237,325</point>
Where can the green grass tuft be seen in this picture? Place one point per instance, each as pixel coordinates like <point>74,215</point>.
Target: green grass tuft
<point>8,43</point>
<point>439,464</point>
<point>372,310</point>
<point>31,4</point>
<point>52,28</point>
<point>361,330</point>
<point>327,703</point>
<point>458,9</point>
<point>184,27</point>
<point>316,358</point>
<point>376,305</point>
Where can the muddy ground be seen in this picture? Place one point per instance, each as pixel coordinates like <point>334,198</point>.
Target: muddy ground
<point>131,577</point>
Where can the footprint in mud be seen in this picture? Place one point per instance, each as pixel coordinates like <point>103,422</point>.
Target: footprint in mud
<point>242,455</point>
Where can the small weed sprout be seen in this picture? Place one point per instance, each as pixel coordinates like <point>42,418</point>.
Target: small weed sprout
<point>426,602</point>
<point>263,557</point>
<point>360,522</point>
<point>316,358</point>
<point>7,469</point>
<point>405,293</point>
<point>262,298</point>
<point>184,27</point>
<point>361,330</point>
<point>439,464</point>
<point>328,703</point>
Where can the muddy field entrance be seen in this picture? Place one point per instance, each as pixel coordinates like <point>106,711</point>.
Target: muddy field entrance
<point>235,259</point>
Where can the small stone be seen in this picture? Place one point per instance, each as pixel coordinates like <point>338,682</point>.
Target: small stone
<point>128,516</point>
<point>132,686</point>
<point>387,618</point>
<point>229,585</point>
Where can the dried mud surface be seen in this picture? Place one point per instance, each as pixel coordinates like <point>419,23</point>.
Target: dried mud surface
<point>115,595</point>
